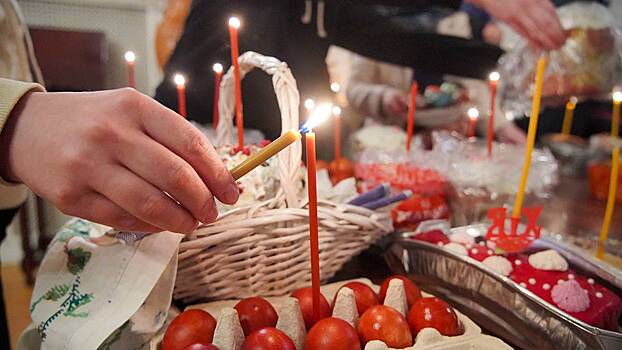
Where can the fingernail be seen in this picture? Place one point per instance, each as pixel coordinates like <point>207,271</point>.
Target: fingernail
<point>231,194</point>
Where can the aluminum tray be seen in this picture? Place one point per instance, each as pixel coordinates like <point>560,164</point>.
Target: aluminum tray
<point>497,303</point>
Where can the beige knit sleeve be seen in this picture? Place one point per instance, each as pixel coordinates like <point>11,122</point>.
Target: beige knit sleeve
<point>10,93</point>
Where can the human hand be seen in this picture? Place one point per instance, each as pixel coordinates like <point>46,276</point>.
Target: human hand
<point>394,103</point>
<point>535,20</point>
<point>510,133</point>
<point>115,157</point>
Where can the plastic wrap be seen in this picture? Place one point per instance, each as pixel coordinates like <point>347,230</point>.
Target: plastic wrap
<point>461,171</point>
<point>588,65</point>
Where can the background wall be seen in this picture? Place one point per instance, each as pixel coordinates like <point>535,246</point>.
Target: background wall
<point>128,25</point>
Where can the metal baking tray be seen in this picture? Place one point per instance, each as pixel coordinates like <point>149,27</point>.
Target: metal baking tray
<point>497,303</point>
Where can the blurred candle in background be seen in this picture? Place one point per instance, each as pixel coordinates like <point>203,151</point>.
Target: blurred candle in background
<point>337,132</point>
<point>180,82</point>
<point>130,59</point>
<point>473,114</point>
<point>611,200</point>
<point>217,77</point>
<point>569,116</point>
<point>234,25</point>
<point>410,122</point>
<point>615,118</point>
<point>493,80</point>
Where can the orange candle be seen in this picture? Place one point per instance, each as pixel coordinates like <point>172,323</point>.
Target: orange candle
<point>313,223</point>
<point>180,82</point>
<point>234,25</point>
<point>494,79</point>
<point>337,114</point>
<point>473,114</point>
<point>410,124</point>
<point>130,59</point>
<point>217,78</point>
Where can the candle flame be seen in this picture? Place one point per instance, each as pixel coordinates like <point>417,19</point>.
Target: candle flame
<point>335,87</point>
<point>130,56</point>
<point>473,113</point>
<point>217,68</point>
<point>573,100</point>
<point>234,22</point>
<point>494,76</point>
<point>179,80</point>
<point>336,110</point>
<point>617,96</point>
<point>309,104</point>
<point>320,114</point>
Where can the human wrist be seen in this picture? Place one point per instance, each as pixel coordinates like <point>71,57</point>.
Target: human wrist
<point>7,138</point>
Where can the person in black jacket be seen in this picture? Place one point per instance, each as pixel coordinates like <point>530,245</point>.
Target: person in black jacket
<point>275,28</point>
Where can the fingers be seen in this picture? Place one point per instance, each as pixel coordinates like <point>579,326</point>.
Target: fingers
<point>142,200</point>
<point>176,134</point>
<point>173,176</point>
<point>97,208</point>
<point>550,34</point>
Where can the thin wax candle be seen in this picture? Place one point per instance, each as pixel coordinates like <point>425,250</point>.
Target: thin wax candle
<point>611,198</point>
<point>180,82</point>
<point>337,132</point>
<point>266,153</point>
<point>130,59</point>
<point>234,25</point>
<point>410,123</point>
<point>569,116</point>
<point>313,224</point>
<point>473,114</point>
<point>493,79</point>
<point>217,77</point>
<point>531,136</point>
<point>615,118</point>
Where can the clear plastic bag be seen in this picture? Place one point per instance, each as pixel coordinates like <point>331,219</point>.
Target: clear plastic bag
<point>589,64</point>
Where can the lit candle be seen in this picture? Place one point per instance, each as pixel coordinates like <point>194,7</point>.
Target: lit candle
<point>266,153</point>
<point>180,82</point>
<point>234,25</point>
<point>410,124</point>
<point>218,75</point>
<point>337,131</point>
<point>569,116</point>
<point>309,104</point>
<point>130,59</point>
<point>615,119</point>
<point>611,198</point>
<point>335,87</point>
<point>531,136</point>
<point>473,114</point>
<point>320,114</point>
<point>493,79</point>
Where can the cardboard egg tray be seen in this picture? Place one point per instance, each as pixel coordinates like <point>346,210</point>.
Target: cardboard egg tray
<point>229,335</point>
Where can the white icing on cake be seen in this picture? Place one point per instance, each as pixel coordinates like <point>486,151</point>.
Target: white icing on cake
<point>462,237</point>
<point>456,248</point>
<point>570,296</point>
<point>548,260</point>
<point>500,264</point>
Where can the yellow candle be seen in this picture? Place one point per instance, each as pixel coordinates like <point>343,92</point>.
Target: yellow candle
<point>531,136</point>
<point>611,198</point>
<point>615,118</point>
<point>266,153</point>
<point>569,116</point>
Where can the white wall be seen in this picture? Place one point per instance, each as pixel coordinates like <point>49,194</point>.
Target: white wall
<point>127,24</point>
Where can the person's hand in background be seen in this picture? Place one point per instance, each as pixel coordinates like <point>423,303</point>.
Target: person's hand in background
<point>115,157</point>
<point>510,133</point>
<point>395,103</point>
<point>535,20</point>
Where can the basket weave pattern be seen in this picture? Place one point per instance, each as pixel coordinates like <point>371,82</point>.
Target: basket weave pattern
<point>263,249</point>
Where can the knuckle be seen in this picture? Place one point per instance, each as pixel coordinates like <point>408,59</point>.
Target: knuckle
<point>128,99</point>
<point>208,211</point>
<point>196,145</point>
<point>65,197</point>
<point>180,177</point>
<point>153,206</point>
<point>100,131</point>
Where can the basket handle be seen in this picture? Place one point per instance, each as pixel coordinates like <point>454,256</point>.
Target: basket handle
<point>288,100</point>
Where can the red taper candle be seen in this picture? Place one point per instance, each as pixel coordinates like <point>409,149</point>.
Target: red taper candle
<point>410,124</point>
<point>493,79</point>
<point>217,77</point>
<point>234,25</point>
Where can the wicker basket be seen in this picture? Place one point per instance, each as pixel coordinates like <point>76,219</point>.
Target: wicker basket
<point>263,249</point>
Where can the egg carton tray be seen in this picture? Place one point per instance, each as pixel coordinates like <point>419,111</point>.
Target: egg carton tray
<point>229,335</point>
